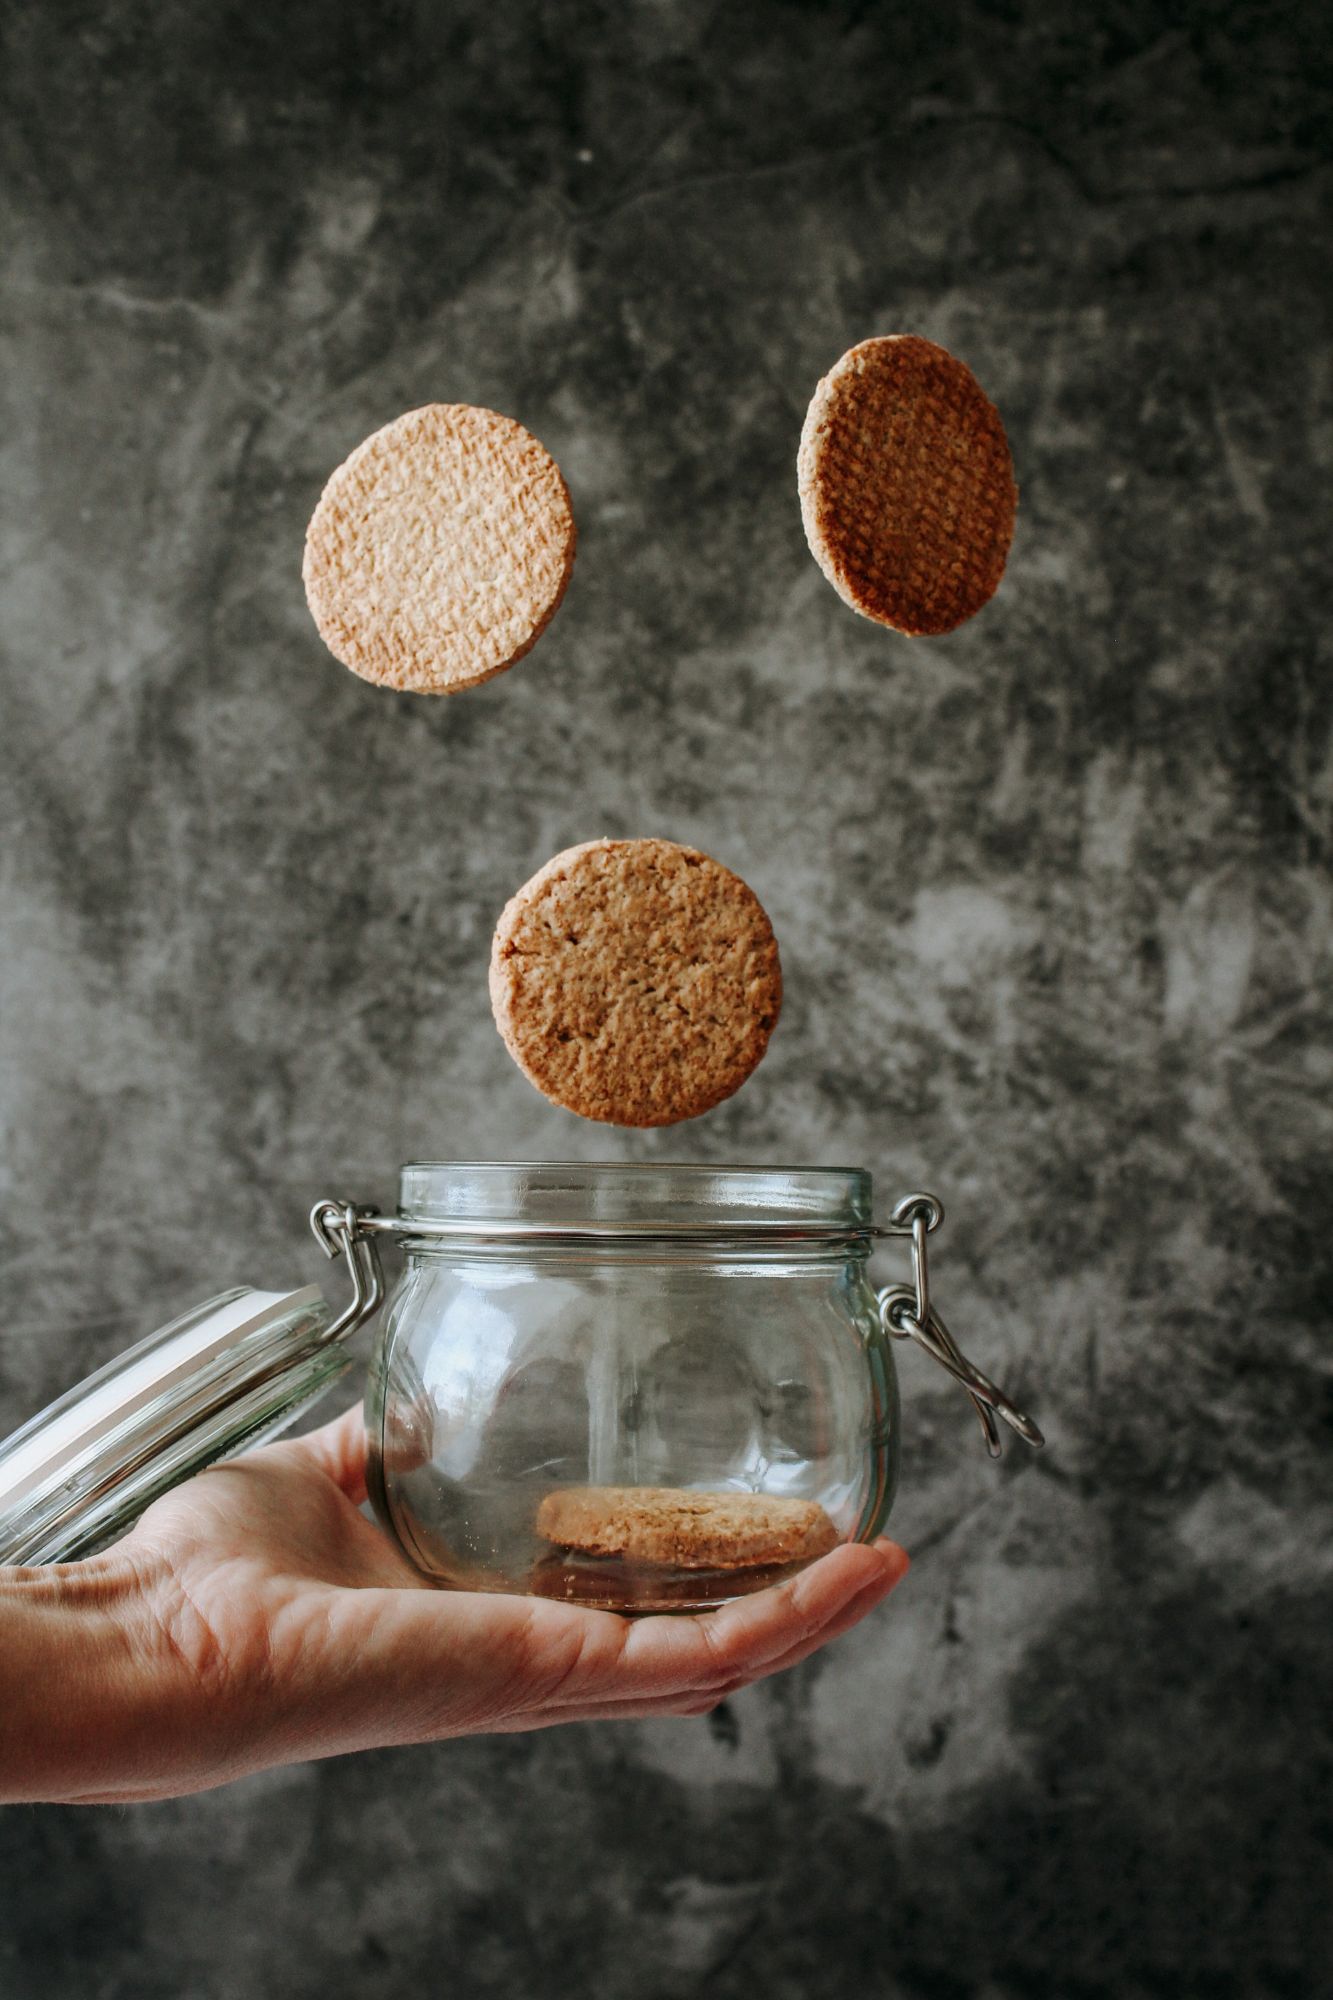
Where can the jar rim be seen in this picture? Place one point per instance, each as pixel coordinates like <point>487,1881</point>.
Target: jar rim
<point>642,1196</point>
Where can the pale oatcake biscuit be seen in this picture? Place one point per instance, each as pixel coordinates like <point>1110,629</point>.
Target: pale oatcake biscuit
<point>907,485</point>
<point>634,981</point>
<point>440,550</point>
<point>685,1530</point>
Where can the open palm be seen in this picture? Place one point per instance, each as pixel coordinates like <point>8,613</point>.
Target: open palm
<point>273,1622</point>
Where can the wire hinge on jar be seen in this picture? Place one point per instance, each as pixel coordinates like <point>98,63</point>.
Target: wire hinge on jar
<point>339,1230</point>
<point>907,1313</point>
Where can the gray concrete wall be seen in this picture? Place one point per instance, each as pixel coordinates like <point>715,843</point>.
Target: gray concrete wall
<point>1052,897</point>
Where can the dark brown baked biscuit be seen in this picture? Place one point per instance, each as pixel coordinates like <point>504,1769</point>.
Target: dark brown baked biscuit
<point>440,550</point>
<point>683,1529</point>
<point>635,981</point>
<point>907,485</point>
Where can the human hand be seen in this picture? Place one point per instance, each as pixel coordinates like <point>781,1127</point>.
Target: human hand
<point>255,1617</point>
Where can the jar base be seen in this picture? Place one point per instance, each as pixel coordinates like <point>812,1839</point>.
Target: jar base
<point>637,1588</point>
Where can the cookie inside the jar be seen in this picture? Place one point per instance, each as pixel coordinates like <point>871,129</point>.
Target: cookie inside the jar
<point>661,1548</point>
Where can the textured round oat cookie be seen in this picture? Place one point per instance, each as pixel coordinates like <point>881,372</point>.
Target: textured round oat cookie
<point>907,485</point>
<point>440,550</point>
<point>684,1529</point>
<point>635,981</point>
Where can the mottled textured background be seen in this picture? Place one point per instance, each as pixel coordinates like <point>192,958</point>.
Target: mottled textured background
<point>1052,895</point>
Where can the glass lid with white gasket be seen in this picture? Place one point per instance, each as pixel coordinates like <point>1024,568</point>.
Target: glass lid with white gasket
<point>226,1375</point>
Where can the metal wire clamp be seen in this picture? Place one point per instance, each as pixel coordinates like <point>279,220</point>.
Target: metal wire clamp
<point>906,1311</point>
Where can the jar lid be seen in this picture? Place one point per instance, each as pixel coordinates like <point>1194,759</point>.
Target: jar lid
<point>227,1375</point>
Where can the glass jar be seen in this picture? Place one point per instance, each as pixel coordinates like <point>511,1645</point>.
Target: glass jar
<point>637,1387</point>
<point>643,1388</point>
<point>683,1407</point>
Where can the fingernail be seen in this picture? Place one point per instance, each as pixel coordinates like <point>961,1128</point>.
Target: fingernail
<point>896,1558</point>
<point>875,1587</point>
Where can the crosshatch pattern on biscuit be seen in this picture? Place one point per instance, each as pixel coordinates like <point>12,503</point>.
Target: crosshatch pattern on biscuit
<point>907,485</point>
<point>440,550</point>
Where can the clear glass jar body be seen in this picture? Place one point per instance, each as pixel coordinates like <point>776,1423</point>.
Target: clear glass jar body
<point>666,1415</point>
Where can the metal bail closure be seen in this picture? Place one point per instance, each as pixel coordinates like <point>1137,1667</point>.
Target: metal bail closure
<point>344,1229</point>
<point>337,1228</point>
<point>906,1313</point>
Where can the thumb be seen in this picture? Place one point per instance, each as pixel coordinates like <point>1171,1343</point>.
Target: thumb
<point>337,1449</point>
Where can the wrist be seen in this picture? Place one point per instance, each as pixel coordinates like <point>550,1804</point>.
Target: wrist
<point>76,1679</point>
